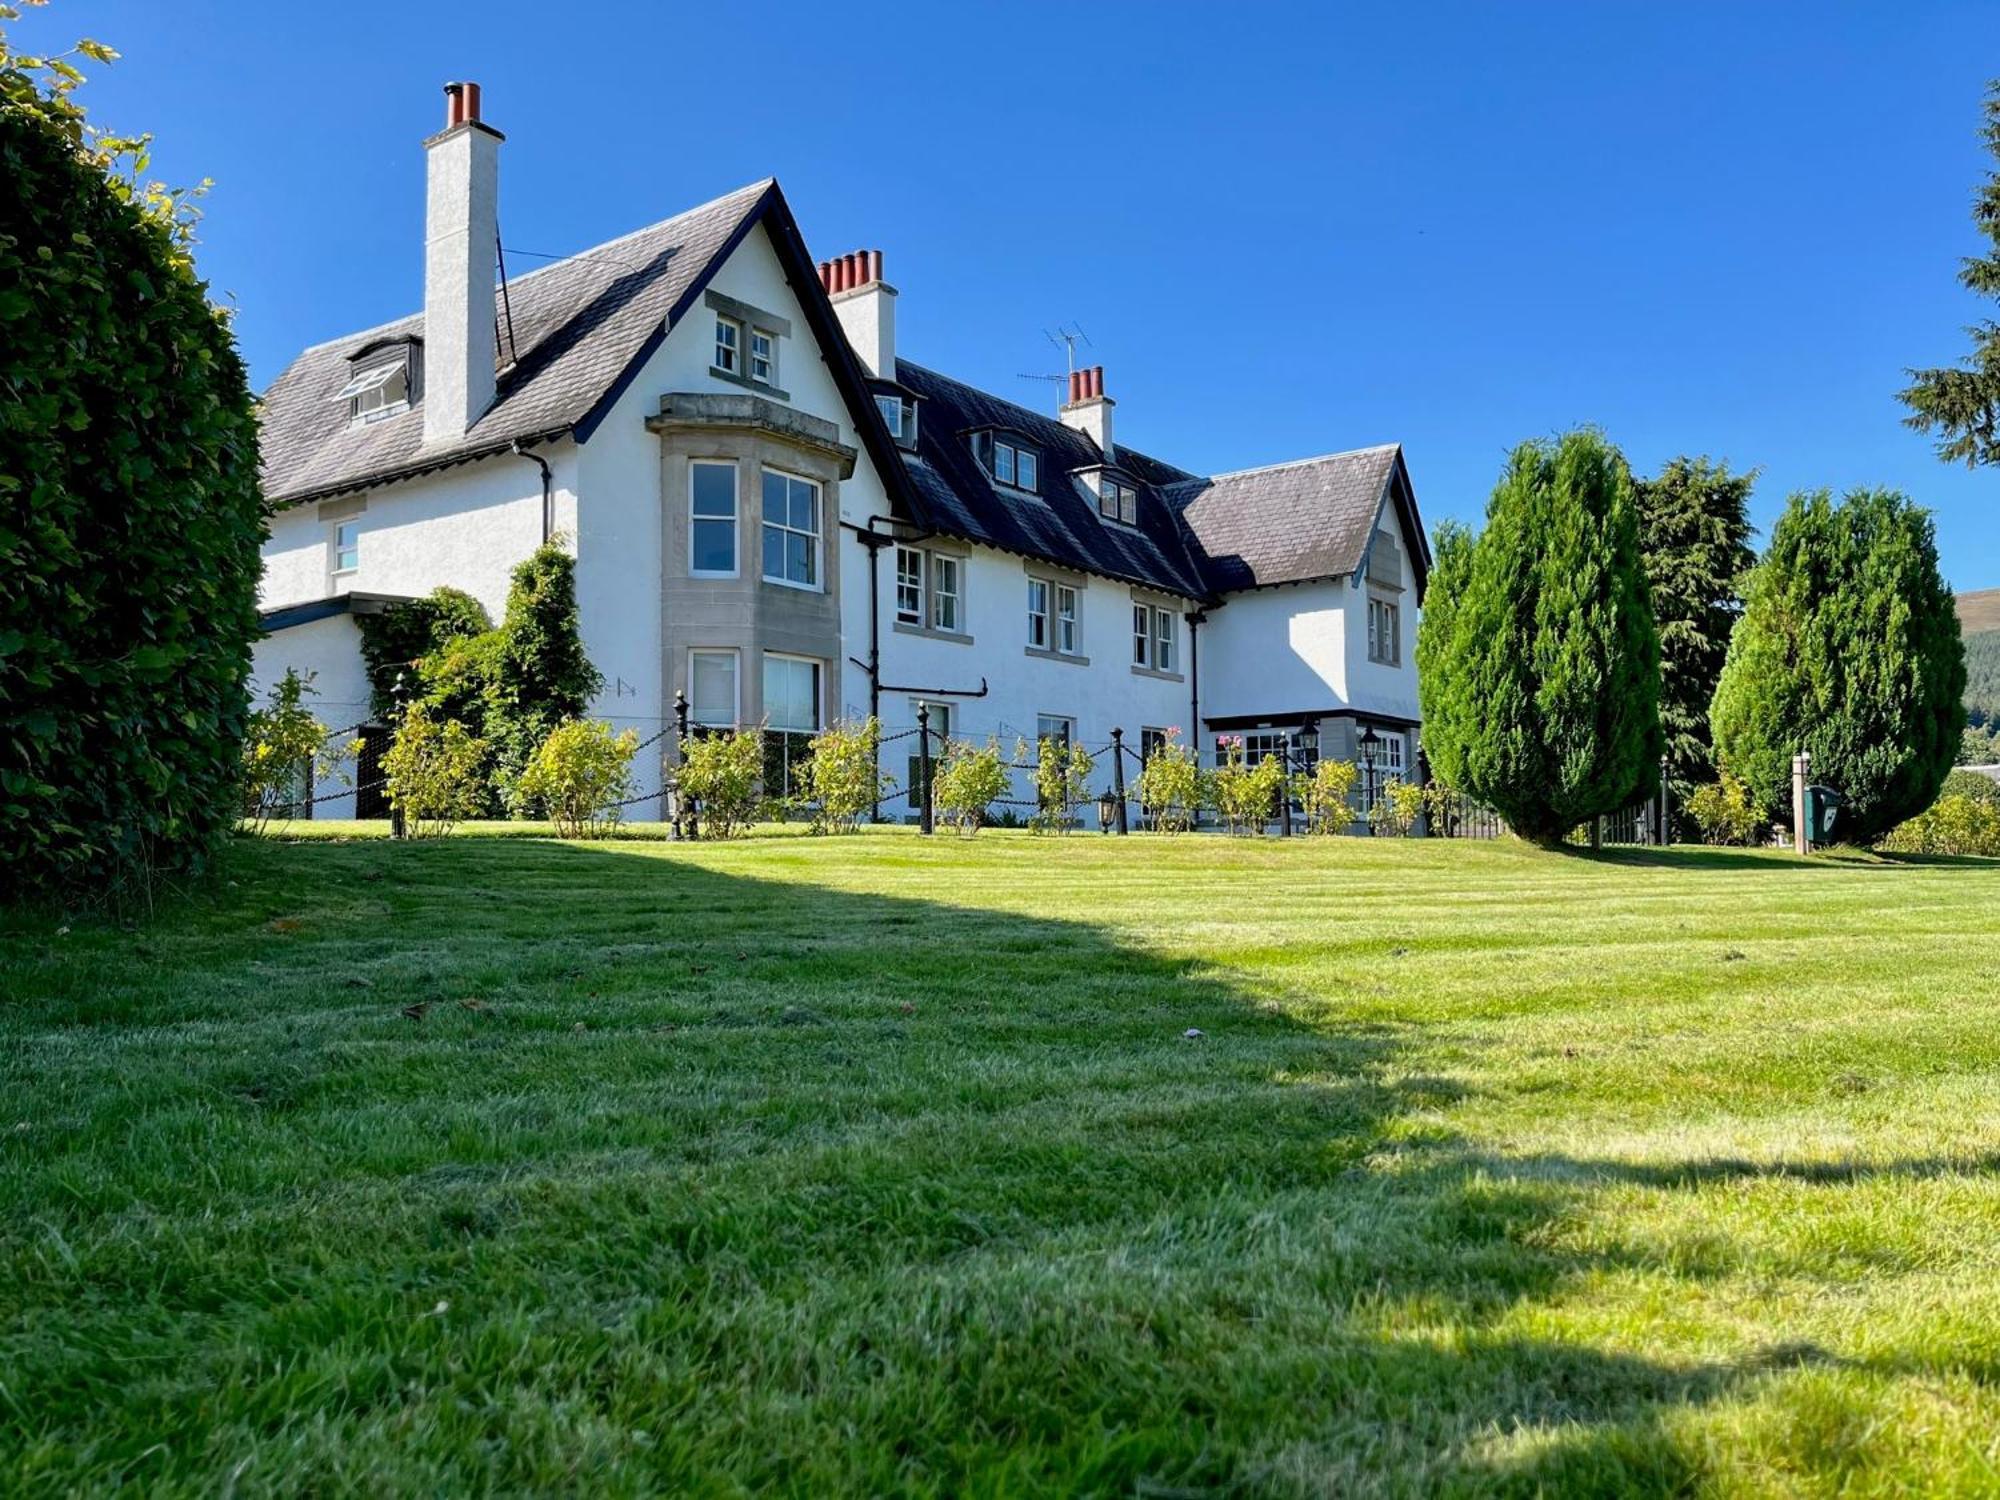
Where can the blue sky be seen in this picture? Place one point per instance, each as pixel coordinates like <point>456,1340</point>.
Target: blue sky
<point>1717,229</point>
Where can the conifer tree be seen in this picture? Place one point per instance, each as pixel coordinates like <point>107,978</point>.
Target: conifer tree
<point>1544,699</point>
<point>1961,403</point>
<point>1694,531</point>
<point>1849,649</point>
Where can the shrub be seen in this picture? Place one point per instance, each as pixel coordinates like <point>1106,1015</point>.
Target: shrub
<point>540,674</point>
<point>1954,824</point>
<point>1170,785</point>
<point>1537,657</point>
<point>283,739</point>
<point>130,520</point>
<point>1397,807</point>
<point>581,774</point>
<point>968,781</point>
<point>433,773</point>
<point>721,772</point>
<point>1062,782</point>
<point>1724,813</point>
<point>1245,795</point>
<point>1325,795</point>
<point>1971,784</point>
<point>398,642</point>
<point>1848,649</point>
<point>838,778</point>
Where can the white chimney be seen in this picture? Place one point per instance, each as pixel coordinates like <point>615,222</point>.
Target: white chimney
<point>461,238</point>
<point>1088,409</point>
<point>866,307</point>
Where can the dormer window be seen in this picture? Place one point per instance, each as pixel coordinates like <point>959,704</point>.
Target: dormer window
<point>381,385</point>
<point>900,413</point>
<point>1116,501</point>
<point>1008,461</point>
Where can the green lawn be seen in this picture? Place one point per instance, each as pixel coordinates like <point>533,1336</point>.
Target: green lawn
<point>869,1165</point>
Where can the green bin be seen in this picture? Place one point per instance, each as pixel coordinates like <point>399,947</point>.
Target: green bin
<point>1823,806</point>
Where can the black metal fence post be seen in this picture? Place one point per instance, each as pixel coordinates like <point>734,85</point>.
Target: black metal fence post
<point>924,764</point>
<point>684,818</point>
<point>1118,777</point>
<point>1666,820</point>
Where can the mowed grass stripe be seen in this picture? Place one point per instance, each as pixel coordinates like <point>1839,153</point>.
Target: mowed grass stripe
<point>875,1165</point>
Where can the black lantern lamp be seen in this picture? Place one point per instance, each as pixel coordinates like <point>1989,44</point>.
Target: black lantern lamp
<point>1371,742</point>
<point>1107,809</point>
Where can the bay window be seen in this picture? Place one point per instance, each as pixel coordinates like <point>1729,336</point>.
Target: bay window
<point>712,520</point>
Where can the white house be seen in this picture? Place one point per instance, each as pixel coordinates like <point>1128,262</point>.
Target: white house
<point>776,514</point>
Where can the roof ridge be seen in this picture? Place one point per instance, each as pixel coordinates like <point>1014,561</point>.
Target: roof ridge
<point>1296,463</point>
<point>986,395</point>
<point>513,281</point>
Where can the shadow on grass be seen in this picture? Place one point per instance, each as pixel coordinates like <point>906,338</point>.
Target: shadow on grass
<point>815,1188</point>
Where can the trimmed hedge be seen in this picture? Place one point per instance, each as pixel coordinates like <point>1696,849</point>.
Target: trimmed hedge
<point>130,527</point>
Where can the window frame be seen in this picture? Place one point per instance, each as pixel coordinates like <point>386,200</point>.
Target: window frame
<point>940,563</point>
<point>1166,636</point>
<point>914,614</point>
<point>769,357</point>
<point>1117,501</point>
<point>1069,622</point>
<point>335,548</point>
<point>731,347</point>
<point>735,518</point>
<point>1068,723</point>
<point>735,659</point>
<point>1385,616</point>
<point>1142,635</point>
<point>1045,616</point>
<point>818,669</point>
<point>816,536</point>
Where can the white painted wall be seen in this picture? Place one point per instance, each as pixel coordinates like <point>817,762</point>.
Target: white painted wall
<point>1373,685</point>
<point>329,651</point>
<point>1277,650</point>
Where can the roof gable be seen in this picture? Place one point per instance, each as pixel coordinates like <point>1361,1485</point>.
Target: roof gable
<point>1299,522</point>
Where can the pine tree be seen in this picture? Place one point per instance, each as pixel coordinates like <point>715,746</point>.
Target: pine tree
<point>1961,403</point>
<point>1439,691</point>
<point>1849,649</point>
<point>1694,531</point>
<point>1544,700</point>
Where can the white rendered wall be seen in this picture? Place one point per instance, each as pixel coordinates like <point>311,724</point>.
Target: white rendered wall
<point>329,651</point>
<point>1377,686</point>
<point>1277,650</point>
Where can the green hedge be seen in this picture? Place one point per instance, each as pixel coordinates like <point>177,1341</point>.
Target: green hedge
<point>129,529</point>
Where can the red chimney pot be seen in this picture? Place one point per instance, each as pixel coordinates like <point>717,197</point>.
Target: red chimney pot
<point>472,101</point>
<point>454,105</point>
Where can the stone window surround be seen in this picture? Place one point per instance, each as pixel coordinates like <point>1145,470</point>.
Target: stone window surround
<point>749,317</point>
<point>935,547</point>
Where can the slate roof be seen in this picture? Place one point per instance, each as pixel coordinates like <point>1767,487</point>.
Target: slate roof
<point>1058,524</point>
<point>583,326</point>
<point>578,325</point>
<point>1295,522</point>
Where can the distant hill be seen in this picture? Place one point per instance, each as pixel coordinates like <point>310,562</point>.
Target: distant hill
<point>1979,621</point>
<point>1979,611</point>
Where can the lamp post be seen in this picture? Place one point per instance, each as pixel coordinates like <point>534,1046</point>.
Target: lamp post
<point>1370,743</point>
<point>1306,743</point>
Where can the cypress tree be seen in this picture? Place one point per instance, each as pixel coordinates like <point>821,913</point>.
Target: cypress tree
<point>1545,697</point>
<point>1438,689</point>
<point>1694,531</point>
<point>1849,649</point>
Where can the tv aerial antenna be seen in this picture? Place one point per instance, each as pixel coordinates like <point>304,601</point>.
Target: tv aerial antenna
<point>1065,339</point>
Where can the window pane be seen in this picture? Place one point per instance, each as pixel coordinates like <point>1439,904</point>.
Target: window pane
<point>791,693</point>
<point>1128,507</point>
<point>774,552</point>
<point>799,558</point>
<point>712,547</point>
<point>1003,463</point>
<point>891,408</point>
<point>1025,470</point>
<point>776,501</point>
<point>712,694</point>
<point>1052,727</point>
<point>909,584</point>
<point>805,506</point>
<point>714,487</point>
